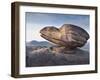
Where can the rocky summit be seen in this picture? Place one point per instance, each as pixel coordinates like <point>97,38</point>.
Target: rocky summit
<point>56,56</point>
<point>66,50</point>
<point>68,35</point>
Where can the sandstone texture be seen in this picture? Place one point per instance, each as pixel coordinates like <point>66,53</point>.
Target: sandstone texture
<point>68,35</point>
<point>66,49</point>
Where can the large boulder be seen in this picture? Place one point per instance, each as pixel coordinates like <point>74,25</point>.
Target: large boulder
<point>68,35</point>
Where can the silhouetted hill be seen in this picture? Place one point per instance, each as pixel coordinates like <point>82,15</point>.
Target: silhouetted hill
<point>48,44</point>
<point>38,43</point>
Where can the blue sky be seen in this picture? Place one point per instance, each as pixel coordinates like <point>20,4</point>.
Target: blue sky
<point>36,21</point>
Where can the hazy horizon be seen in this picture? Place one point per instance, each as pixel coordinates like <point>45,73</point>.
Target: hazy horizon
<point>36,21</point>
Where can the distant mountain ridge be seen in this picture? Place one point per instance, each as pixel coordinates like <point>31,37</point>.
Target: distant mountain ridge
<point>48,44</point>
<point>39,43</point>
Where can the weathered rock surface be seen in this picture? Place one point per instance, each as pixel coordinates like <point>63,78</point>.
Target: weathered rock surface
<point>68,35</point>
<point>66,52</point>
<point>56,56</point>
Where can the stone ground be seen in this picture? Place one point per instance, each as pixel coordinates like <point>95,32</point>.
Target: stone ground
<point>49,57</point>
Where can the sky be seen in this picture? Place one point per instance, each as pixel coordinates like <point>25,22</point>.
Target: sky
<point>36,21</point>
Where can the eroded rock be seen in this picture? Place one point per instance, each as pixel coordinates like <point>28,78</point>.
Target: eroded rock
<point>56,56</point>
<point>68,35</point>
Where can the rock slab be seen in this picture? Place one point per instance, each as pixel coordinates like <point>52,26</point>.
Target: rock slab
<point>51,57</point>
